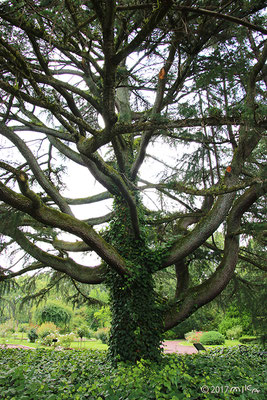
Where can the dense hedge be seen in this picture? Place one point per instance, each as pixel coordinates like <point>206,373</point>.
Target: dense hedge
<point>79,375</point>
<point>212,338</point>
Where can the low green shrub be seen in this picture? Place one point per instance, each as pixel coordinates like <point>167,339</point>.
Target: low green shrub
<point>212,338</point>
<point>46,374</point>
<point>23,328</point>
<point>65,340</point>
<point>102,334</point>
<point>57,340</point>
<point>248,339</point>
<point>32,335</point>
<point>7,328</point>
<point>46,329</point>
<point>170,335</point>
<point>235,332</point>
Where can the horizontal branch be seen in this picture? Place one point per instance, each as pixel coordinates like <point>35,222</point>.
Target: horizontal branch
<point>5,275</point>
<point>54,218</point>
<point>88,200</point>
<point>66,265</point>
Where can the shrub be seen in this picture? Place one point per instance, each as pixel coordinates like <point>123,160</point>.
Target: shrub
<point>170,335</point>
<point>42,374</point>
<point>248,339</point>
<point>65,340</point>
<point>7,328</point>
<point>49,340</point>
<point>46,328</point>
<point>55,340</point>
<point>102,334</point>
<point>212,338</point>
<point>235,332</point>
<point>32,335</point>
<point>23,328</point>
<point>83,331</point>
<point>193,336</point>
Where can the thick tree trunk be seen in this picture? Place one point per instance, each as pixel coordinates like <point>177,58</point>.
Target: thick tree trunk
<point>136,319</point>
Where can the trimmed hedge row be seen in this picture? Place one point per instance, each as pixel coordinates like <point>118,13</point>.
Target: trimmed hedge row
<point>80,375</point>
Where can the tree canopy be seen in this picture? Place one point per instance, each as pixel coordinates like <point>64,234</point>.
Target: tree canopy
<point>163,104</point>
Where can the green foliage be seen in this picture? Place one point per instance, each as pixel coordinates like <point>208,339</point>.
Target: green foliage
<point>56,340</point>
<point>103,316</point>
<point>7,328</point>
<point>212,338</point>
<point>248,339</point>
<point>86,374</point>
<point>46,328</point>
<point>32,335</point>
<point>136,325</point>
<point>83,331</point>
<point>55,313</point>
<point>233,317</point>
<point>102,334</point>
<point>212,69</point>
<point>23,328</point>
<point>235,332</point>
<point>194,336</point>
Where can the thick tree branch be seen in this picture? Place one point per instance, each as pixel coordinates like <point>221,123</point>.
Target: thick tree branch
<point>66,265</point>
<point>207,291</point>
<point>67,223</point>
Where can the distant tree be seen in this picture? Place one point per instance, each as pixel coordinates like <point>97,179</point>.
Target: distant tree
<point>179,85</point>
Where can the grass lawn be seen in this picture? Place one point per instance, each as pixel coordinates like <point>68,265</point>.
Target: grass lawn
<point>98,345</point>
<point>228,343</point>
<point>93,345</point>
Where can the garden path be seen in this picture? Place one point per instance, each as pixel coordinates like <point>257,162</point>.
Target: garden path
<point>173,346</point>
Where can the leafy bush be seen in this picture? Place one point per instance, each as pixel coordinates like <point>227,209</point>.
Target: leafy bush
<point>102,334</point>
<point>234,317</point>
<point>7,328</point>
<point>170,335</point>
<point>65,340</point>
<point>248,339</point>
<point>83,331</point>
<point>32,335</point>
<point>56,375</point>
<point>212,338</point>
<point>193,336</point>
<point>57,340</point>
<point>49,340</point>
<point>234,333</point>
<point>103,316</point>
<point>23,328</point>
<point>46,328</point>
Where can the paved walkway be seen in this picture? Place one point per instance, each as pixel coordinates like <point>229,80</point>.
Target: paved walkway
<point>173,346</point>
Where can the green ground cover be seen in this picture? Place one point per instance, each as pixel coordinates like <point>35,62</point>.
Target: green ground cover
<point>226,373</point>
